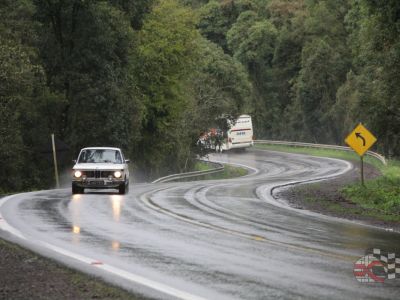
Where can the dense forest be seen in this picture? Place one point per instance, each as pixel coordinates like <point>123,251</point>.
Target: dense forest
<point>150,76</point>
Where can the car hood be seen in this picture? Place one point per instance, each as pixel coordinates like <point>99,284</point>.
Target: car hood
<point>98,166</point>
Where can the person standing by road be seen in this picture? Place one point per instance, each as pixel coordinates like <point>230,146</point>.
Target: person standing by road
<point>218,141</point>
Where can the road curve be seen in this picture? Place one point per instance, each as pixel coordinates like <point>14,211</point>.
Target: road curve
<point>206,239</point>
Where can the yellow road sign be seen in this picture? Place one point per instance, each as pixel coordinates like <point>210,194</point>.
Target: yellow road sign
<point>360,139</point>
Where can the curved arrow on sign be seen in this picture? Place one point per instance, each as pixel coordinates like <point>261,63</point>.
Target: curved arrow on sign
<point>358,135</point>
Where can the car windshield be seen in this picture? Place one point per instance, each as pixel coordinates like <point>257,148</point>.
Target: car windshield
<point>100,156</point>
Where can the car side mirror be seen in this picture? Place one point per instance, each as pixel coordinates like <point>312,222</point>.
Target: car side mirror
<point>74,161</point>
<point>127,161</point>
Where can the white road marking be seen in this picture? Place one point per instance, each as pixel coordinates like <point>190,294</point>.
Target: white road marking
<point>5,226</point>
<point>264,191</point>
<point>126,275</point>
<point>163,288</point>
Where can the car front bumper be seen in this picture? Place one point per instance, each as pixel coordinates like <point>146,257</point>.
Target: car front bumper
<point>96,183</point>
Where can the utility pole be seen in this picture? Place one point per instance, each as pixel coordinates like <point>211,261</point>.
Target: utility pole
<point>55,160</point>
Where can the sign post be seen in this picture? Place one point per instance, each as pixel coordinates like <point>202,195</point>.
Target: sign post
<point>55,160</point>
<point>360,140</point>
<point>362,169</point>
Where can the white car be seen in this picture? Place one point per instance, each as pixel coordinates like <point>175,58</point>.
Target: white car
<point>100,168</point>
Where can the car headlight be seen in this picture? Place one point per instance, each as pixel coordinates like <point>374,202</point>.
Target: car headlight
<point>117,174</point>
<point>78,174</point>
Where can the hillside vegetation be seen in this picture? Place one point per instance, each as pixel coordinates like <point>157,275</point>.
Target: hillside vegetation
<point>150,76</point>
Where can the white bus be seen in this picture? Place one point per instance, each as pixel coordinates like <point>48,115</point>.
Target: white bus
<point>239,135</point>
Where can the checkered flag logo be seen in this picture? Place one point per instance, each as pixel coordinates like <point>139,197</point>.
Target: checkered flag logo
<point>389,261</point>
<point>369,269</point>
<point>377,266</point>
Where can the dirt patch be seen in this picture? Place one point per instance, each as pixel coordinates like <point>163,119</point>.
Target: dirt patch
<point>325,197</point>
<point>25,275</point>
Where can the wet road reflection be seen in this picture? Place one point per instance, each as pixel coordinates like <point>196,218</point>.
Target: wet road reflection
<point>75,208</point>
<point>115,245</point>
<point>76,229</point>
<point>116,206</point>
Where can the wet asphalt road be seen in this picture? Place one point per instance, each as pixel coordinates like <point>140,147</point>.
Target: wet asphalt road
<point>207,239</point>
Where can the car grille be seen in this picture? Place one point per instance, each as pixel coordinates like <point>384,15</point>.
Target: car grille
<point>98,174</point>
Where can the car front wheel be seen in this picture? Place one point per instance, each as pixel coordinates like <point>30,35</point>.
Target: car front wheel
<point>123,188</point>
<point>77,189</point>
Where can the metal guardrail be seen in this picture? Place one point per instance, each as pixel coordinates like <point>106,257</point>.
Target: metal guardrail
<point>378,156</point>
<point>219,168</point>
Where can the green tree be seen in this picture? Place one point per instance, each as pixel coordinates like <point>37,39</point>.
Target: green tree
<point>220,87</point>
<point>374,86</point>
<point>166,57</point>
<point>135,9</point>
<point>215,20</point>
<point>324,64</point>
<point>29,111</point>
<point>15,76</point>
<point>316,88</point>
<point>88,56</point>
<point>252,41</point>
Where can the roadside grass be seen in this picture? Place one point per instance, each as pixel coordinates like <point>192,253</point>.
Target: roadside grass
<point>349,208</point>
<point>347,155</point>
<point>379,198</point>
<point>381,194</point>
<point>228,172</point>
<point>202,166</point>
<point>27,275</point>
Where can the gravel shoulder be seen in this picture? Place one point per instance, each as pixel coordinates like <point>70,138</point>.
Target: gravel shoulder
<point>325,197</point>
